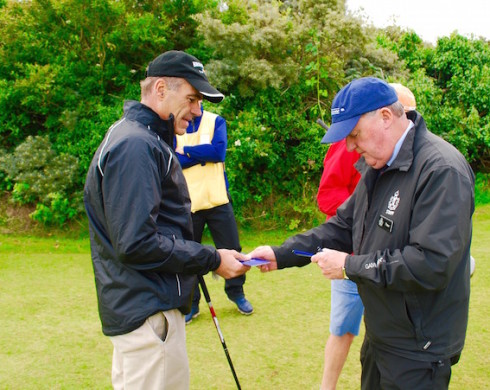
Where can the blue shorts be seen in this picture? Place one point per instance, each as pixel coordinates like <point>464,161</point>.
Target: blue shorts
<point>346,308</point>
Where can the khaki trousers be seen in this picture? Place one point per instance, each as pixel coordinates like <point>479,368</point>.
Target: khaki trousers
<point>154,356</point>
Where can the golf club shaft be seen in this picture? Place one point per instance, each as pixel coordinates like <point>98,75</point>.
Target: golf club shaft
<point>215,320</point>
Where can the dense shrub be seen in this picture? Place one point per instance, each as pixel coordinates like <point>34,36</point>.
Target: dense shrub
<point>44,178</point>
<point>482,188</point>
<point>66,66</point>
<point>452,85</point>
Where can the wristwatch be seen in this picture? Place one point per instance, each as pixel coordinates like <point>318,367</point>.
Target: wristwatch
<point>345,275</point>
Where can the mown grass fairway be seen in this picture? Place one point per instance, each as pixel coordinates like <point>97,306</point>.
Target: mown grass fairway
<point>50,335</point>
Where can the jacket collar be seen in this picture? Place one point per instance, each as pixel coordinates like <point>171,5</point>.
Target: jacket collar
<point>134,110</point>
<point>404,160</point>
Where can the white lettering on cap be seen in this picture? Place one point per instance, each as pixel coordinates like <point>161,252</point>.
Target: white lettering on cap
<point>336,111</point>
<point>196,64</point>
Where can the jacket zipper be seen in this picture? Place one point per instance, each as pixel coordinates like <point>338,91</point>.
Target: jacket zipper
<point>177,276</point>
<point>178,284</point>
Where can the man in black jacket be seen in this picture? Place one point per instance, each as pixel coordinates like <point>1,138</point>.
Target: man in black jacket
<point>403,237</point>
<point>144,257</point>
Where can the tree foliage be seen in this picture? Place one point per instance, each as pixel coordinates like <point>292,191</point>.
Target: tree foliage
<point>76,56</point>
<point>67,65</point>
<point>282,64</point>
<point>452,85</point>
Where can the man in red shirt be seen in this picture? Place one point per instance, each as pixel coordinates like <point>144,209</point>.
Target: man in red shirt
<point>339,178</point>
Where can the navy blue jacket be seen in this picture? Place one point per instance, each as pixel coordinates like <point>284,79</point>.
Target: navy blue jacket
<point>139,215</point>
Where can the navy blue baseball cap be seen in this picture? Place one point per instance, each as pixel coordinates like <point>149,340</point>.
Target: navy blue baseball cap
<point>356,98</point>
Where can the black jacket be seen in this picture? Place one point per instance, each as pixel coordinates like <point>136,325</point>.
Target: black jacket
<point>410,232</point>
<point>139,215</point>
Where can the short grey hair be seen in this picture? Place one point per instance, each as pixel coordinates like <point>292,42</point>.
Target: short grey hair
<point>396,108</point>
<point>172,83</point>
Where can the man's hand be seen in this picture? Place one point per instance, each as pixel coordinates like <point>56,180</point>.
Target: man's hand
<point>230,267</point>
<point>331,263</point>
<point>266,253</point>
<point>179,150</point>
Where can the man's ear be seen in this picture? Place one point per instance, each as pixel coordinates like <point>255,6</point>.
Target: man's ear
<point>161,87</point>
<point>386,115</point>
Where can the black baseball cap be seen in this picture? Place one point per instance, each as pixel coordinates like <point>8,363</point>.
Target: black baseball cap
<point>176,63</point>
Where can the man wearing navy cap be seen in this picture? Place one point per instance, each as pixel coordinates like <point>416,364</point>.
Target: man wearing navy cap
<point>144,258</point>
<point>403,237</point>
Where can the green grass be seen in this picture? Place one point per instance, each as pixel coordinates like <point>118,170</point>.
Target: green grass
<point>50,335</point>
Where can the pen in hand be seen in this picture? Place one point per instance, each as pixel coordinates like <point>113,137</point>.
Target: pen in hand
<point>303,253</point>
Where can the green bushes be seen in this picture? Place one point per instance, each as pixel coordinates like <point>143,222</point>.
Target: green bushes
<point>36,174</point>
<point>482,189</point>
<point>279,64</point>
<point>451,83</point>
<point>275,156</point>
<point>65,68</point>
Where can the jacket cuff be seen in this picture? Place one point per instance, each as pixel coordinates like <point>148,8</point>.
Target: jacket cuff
<point>286,258</point>
<point>217,262</point>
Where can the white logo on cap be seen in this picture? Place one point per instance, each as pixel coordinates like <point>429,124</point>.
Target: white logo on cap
<point>336,111</point>
<point>196,64</point>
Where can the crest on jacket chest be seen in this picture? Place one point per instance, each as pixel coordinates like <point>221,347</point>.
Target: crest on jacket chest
<point>387,223</point>
<point>393,203</point>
